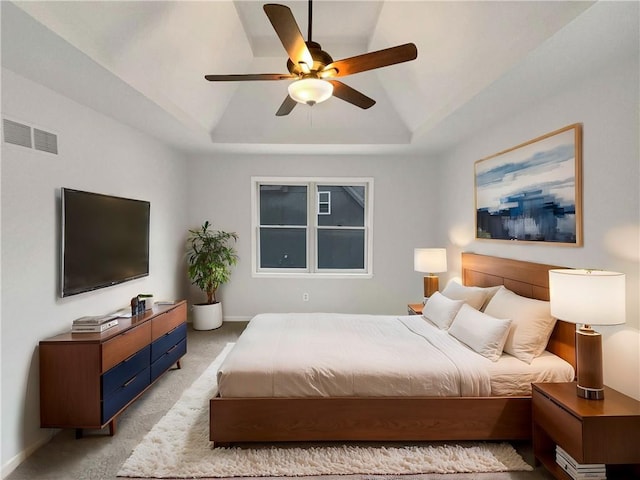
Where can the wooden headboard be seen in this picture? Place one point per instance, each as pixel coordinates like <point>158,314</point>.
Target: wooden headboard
<point>524,278</point>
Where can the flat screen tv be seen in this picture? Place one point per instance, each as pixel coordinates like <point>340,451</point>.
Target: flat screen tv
<point>104,240</point>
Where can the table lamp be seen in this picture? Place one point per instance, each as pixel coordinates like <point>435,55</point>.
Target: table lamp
<point>588,297</point>
<point>430,260</point>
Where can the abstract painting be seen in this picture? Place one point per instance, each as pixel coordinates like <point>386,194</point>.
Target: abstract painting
<point>533,192</point>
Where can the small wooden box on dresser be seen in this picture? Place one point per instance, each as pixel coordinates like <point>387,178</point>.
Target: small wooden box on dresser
<point>591,431</point>
<point>88,379</point>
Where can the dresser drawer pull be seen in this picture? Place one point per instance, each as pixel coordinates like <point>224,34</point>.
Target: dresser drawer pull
<point>130,357</point>
<point>128,382</point>
<point>171,349</point>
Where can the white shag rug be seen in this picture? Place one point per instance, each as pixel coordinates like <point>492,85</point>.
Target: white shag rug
<point>178,446</point>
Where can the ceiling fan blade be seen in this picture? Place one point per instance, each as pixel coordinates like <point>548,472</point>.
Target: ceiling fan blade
<point>371,60</point>
<point>351,95</point>
<point>249,76</point>
<point>288,31</point>
<point>286,107</point>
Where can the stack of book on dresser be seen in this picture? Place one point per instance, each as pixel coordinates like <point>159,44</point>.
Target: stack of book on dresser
<point>580,471</point>
<point>94,324</point>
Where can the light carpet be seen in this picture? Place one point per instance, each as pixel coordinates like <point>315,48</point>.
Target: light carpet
<point>178,446</point>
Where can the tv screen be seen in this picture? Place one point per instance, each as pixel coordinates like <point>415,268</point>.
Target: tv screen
<point>105,240</point>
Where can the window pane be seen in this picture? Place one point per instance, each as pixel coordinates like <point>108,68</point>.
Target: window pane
<point>283,248</point>
<point>283,205</point>
<point>341,249</point>
<point>347,206</point>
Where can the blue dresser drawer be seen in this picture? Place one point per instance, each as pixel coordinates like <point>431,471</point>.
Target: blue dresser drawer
<point>124,394</point>
<point>168,340</point>
<point>125,370</point>
<point>169,358</point>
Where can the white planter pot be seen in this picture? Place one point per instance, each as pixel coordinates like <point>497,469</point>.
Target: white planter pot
<point>207,317</point>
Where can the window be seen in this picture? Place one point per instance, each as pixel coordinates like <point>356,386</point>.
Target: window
<point>318,227</point>
<point>324,202</point>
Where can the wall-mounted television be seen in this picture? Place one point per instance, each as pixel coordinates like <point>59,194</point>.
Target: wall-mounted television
<point>104,240</point>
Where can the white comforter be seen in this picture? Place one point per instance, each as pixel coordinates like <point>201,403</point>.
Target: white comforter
<point>320,354</point>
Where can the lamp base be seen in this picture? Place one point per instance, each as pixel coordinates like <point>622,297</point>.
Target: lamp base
<point>590,393</point>
<point>430,285</point>
<point>589,363</point>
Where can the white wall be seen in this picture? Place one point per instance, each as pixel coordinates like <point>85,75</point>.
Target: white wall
<point>96,154</point>
<point>606,103</point>
<point>220,191</point>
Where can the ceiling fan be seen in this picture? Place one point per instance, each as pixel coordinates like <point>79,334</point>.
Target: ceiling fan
<point>313,69</point>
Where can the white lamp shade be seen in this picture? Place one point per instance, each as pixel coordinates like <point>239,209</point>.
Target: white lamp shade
<point>310,90</point>
<point>430,260</point>
<point>592,297</point>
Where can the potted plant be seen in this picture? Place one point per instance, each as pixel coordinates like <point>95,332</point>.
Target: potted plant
<point>210,255</point>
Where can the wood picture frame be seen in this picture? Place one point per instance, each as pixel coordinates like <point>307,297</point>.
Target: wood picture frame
<point>532,193</point>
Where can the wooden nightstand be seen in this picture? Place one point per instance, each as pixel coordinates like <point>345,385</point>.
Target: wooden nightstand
<point>591,431</point>
<point>414,308</point>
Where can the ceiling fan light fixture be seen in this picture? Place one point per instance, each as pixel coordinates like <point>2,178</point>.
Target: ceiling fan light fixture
<point>310,90</point>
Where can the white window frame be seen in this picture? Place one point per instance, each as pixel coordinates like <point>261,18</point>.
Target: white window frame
<point>320,202</point>
<point>312,227</point>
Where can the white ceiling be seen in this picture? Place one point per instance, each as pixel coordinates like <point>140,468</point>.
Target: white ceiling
<point>144,64</point>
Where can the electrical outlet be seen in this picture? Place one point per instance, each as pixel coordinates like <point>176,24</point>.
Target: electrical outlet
<point>305,297</point>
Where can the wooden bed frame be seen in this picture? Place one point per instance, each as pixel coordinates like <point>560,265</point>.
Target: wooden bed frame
<point>400,418</point>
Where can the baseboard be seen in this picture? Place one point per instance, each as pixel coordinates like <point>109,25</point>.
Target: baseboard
<point>230,319</point>
<point>237,319</point>
<point>14,462</point>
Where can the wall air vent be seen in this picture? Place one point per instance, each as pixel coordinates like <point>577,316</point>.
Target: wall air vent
<point>45,141</point>
<point>16,133</point>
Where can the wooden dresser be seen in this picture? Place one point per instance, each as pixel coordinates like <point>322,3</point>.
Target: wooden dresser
<point>88,379</point>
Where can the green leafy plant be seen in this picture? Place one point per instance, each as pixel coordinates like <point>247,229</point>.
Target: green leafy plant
<point>210,255</point>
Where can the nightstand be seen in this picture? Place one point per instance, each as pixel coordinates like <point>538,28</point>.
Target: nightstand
<point>414,308</point>
<point>591,431</point>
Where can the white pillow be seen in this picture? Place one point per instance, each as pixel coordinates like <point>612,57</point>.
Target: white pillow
<point>441,310</point>
<point>481,332</point>
<point>532,323</point>
<point>491,291</point>
<point>474,296</point>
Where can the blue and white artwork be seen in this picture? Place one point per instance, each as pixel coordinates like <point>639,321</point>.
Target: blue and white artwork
<point>531,192</point>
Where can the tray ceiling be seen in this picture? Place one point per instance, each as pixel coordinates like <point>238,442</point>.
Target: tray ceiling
<point>144,62</point>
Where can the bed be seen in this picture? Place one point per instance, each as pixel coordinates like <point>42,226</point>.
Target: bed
<point>349,413</point>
